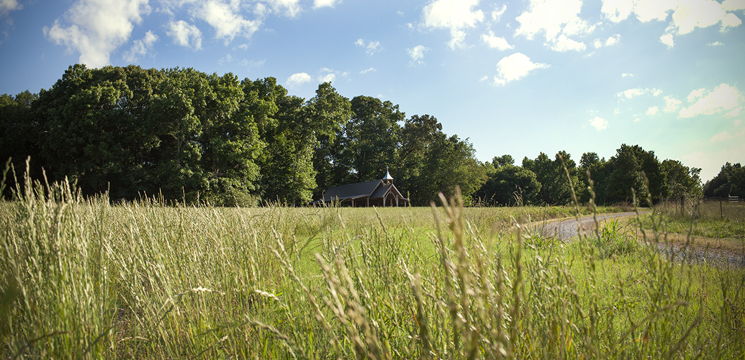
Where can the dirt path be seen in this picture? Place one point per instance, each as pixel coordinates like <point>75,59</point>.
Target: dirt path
<point>566,229</point>
<point>705,252</point>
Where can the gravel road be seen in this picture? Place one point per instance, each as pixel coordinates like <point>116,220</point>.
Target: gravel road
<point>569,229</point>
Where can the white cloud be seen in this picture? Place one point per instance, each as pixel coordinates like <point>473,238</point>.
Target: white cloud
<point>687,15</point>
<point>668,40</point>
<point>140,47</point>
<point>692,14</point>
<point>715,43</point>
<point>417,53</point>
<point>298,79</point>
<point>6,6</point>
<point>563,43</point>
<point>636,92</point>
<point>455,15</point>
<point>627,75</point>
<point>724,100</point>
<point>671,104</point>
<point>696,94</point>
<point>225,18</point>
<point>371,47</point>
<point>732,5</point>
<point>329,77</point>
<point>515,67</point>
<point>97,27</point>
<point>289,8</point>
<point>325,3</point>
<point>496,42</point>
<point>496,15</point>
<point>185,34</point>
<point>368,70</point>
<point>557,20</point>
<point>599,123</point>
<point>652,111</point>
<point>610,41</point>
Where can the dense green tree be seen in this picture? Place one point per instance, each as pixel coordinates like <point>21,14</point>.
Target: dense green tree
<point>371,138</point>
<point>419,137</point>
<point>327,113</point>
<point>681,182</point>
<point>634,170</point>
<point>503,160</point>
<point>510,185</point>
<point>730,181</point>
<point>591,167</point>
<point>555,187</point>
<point>19,131</point>
<point>189,135</point>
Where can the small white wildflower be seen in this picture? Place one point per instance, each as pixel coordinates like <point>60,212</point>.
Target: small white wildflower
<point>266,294</point>
<point>201,289</point>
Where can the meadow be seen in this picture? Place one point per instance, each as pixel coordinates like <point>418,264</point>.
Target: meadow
<point>82,278</point>
<point>713,219</point>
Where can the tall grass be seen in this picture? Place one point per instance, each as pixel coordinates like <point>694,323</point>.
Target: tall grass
<point>713,219</point>
<point>84,279</point>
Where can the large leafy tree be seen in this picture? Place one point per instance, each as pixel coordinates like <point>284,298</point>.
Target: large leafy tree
<point>555,186</point>
<point>19,131</point>
<point>177,132</point>
<point>634,171</point>
<point>327,113</point>
<point>730,181</point>
<point>419,137</point>
<point>510,185</point>
<point>592,171</point>
<point>372,138</point>
<point>681,182</point>
<point>450,164</point>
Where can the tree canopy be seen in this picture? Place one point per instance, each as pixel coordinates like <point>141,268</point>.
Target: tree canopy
<point>187,135</point>
<point>190,136</point>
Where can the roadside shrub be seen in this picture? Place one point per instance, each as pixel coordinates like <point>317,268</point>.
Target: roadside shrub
<point>613,242</point>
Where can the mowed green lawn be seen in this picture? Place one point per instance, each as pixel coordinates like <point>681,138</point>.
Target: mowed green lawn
<point>85,279</point>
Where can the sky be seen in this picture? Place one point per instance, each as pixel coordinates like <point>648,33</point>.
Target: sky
<point>513,77</point>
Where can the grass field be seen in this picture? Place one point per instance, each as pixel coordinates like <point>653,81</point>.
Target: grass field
<point>711,219</point>
<point>85,279</point>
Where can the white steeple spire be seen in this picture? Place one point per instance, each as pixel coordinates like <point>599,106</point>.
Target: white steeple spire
<point>387,176</point>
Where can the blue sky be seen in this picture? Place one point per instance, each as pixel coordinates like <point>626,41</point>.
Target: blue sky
<point>515,77</point>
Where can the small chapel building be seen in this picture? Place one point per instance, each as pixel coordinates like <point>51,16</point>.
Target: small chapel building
<point>380,193</point>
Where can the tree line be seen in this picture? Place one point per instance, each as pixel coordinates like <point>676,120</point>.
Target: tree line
<point>190,136</point>
<point>729,182</point>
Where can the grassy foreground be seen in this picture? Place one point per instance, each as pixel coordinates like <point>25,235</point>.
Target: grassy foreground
<point>85,279</point>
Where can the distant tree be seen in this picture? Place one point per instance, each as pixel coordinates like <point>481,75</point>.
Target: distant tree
<point>19,132</point>
<point>503,160</point>
<point>634,168</point>
<point>419,138</point>
<point>555,187</point>
<point>510,185</point>
<point>451,163</point>
<point>327,113</point>
<point>371,139</point>
<point>729,181</point>
<point>681,182</point>
<point>591,167</point>
<point>287,173</point>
